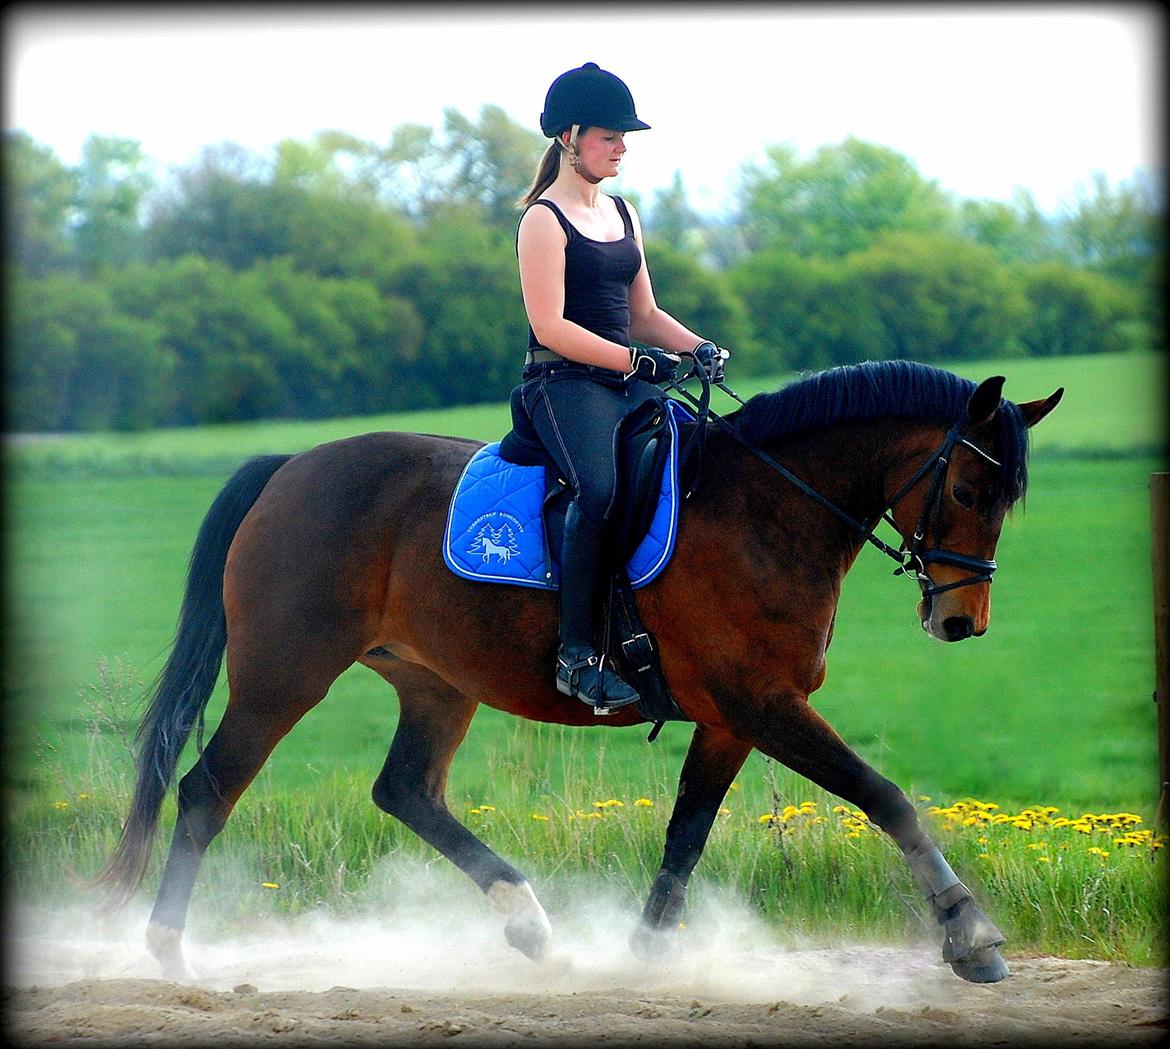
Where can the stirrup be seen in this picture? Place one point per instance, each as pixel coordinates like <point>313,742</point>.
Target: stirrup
<point>583,676</point>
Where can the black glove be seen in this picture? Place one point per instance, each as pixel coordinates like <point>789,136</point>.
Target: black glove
<point>653,365</point>
<point>711,357</point>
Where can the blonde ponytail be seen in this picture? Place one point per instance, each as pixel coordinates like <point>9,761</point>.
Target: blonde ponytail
<point>550,166</point>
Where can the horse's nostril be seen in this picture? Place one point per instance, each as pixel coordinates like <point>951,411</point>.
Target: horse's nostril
<point>958,628</point>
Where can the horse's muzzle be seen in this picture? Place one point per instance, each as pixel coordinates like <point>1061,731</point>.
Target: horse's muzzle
<point>952,628</point>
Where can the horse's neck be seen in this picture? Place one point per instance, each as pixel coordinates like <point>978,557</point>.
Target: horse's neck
<point>857,467</point>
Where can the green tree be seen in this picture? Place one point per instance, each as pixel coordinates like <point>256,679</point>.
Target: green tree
<point>485,164</point>
<point>939,298</point>
<point>465,287</point>
<point>225,333</point>
<point>1073,311</point>
<point>672,221</point>
<point>704,302</point>
<point>805,312</point>
<point>839,201</point>
<point>1017,232</point>
<point>113,181</point>
<point>39,196</point>
<point>75,361</point>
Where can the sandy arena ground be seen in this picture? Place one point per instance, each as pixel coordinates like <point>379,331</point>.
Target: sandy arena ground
<point>441,974</point>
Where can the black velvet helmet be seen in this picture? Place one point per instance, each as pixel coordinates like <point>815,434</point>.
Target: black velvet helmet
<point>592,97</point>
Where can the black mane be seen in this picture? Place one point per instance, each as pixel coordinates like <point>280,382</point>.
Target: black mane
<point>882,390</point>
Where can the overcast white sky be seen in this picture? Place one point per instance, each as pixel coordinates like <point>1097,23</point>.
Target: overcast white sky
<point>984,99</point>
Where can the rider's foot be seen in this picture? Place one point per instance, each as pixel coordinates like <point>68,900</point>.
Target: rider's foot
<point>581,673</point>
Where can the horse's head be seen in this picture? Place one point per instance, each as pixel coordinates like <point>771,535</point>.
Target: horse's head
<point>955,505</point>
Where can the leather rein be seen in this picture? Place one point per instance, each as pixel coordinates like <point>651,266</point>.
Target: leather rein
<point>913,558</point>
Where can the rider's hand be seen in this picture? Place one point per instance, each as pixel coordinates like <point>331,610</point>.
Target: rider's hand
<point>653,365</point>
<point>711,358</point>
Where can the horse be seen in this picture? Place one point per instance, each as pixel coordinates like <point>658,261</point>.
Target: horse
<point>306,564</point>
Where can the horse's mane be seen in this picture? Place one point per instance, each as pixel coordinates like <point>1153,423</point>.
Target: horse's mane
<point>881,390</point>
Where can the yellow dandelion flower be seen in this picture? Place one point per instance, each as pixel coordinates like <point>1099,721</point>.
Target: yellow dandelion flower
<point>1095,851</point>
<point>475,812</point>
<point>269,885</point>
<point>487,808</point>
<point>723,812</point>
<point>540,817</point>
<point>1043,859</point>
<point>60,804</point>
<point>644,803</point>
<point>612,803</point>
<point>767,817</point>
<point>1037,845</point>
<point>83,797</point>
<point>984,856</point>
<point>981,840</point>
<point>734,786</point>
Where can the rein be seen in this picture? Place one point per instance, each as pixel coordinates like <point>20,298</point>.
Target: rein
<point>911,559</point>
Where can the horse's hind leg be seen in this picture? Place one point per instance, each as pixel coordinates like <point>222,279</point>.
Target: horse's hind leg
<point>792,732</point>
<point>412,784</point>
<point>207,794</point>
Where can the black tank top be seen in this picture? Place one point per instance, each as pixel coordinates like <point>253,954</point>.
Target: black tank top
<point>598,274</point>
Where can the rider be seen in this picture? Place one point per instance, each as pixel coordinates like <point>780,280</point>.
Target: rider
<point>587,293</point>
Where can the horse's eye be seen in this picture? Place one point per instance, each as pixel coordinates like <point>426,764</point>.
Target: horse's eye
<point>964,496</point>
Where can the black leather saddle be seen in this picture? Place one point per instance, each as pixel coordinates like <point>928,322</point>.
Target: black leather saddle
<point>643,451</point>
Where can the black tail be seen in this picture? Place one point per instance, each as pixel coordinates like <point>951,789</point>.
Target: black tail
<point>187,680</point>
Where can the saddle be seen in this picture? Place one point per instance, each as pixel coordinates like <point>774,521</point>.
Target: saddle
<point>506,525</point>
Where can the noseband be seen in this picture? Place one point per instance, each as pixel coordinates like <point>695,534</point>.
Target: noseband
<point>913,558</point>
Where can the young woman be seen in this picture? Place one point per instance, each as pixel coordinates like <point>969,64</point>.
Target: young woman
<point>587,294</point>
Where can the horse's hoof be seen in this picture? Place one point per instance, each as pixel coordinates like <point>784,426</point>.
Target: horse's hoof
<point>527,928</point>
<point>985,965</point>
<point>529,936</point>
<point>653,945</point>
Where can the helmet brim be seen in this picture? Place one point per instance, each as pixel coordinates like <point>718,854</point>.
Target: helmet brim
<point>623,124</point>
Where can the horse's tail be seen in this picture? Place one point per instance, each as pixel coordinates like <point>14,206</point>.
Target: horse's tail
<point>186,682</point>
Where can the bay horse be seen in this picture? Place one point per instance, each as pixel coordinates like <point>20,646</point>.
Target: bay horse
<point>307,564</point>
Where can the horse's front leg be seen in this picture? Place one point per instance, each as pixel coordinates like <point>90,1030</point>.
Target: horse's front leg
<point>714,758</point>
<point>411,786</point>
<point>789,730</point>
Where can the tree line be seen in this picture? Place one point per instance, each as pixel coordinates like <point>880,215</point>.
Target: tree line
<point>339,276</point>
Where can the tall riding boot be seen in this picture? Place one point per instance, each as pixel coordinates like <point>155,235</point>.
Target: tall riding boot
<point>581,671</point>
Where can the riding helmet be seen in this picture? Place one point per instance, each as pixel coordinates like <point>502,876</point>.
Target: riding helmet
<point>592,97</point>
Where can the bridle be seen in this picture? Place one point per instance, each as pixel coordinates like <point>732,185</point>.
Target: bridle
<point>913,557</point>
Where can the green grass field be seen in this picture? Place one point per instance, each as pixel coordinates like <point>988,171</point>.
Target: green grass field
<point>1052,707</point>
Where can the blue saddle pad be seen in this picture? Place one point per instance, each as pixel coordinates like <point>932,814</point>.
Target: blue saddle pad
<point>495,524</point>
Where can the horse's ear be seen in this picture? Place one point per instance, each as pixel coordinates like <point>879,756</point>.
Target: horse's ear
<point>1034,411</point>
<point>984,402</point>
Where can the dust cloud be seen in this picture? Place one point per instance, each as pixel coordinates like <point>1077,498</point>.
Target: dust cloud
<point>425,929</point>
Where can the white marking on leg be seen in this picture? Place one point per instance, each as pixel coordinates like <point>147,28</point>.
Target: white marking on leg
<point>166,944</point>
<point>528,928</point>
